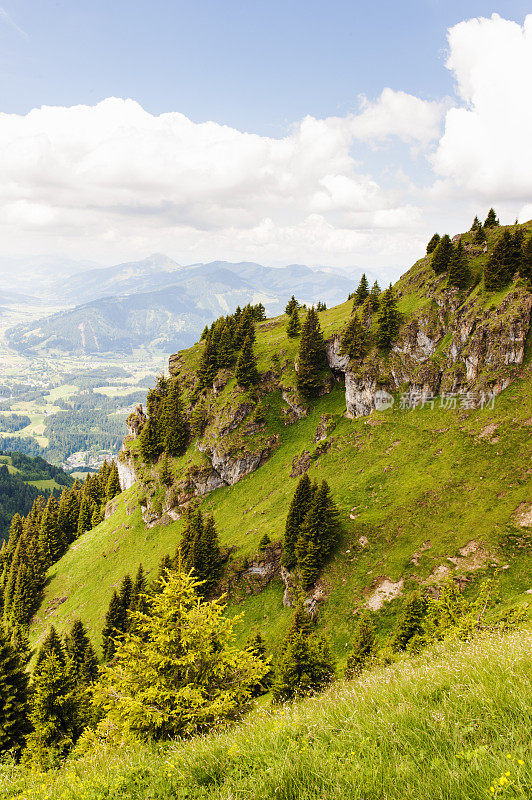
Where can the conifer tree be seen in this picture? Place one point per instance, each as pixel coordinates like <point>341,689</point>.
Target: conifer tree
<point>226,353</point>
<point>204,557</point>
<point>164,472</point>
<point>112,487</point>
<point>51,644</point>
<point>245,329</point>
<point>115,623</point>
<point>356,340</point>
<point>499,269</point>
<point>150,440</point>
<point>204,334</point>
<point>291,305</point>
<point>311,357</point>
<point>297,512</point>
<point>374,297</point>
<point>208,366</point>
<point>433,243</point>
<point>81,653</point>
<point>177,672</point>
<point>50,539</point>
<point>256,646</point>
<point>480,235</point>
<point>174,427</point>
<point>491,220</point>
<point>458,274</point>
<point>14,708</point>
<point>411,624</point>
<point>364,646</point>
<point>97,517</point>
<point>192,530</point>
<point>246,367</point>
<point>476,224</point>
<point>305,665</point>
<point>85,516</point>
<point>293,328</point>
<point>140,588</point>
<point>526,261</point>
<point>198,419</point>
<point>388,321</point>
<point>362,291</point>
<point>318,536</point>
<point>441,255</point>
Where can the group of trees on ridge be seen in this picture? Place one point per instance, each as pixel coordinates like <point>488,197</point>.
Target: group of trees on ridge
<point>511,255</point>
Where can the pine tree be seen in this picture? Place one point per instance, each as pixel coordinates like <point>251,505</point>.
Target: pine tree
<point>51,644</point>
<point>174,427</point>
<point>85,517</point>
<point>226,353</point>
<point>50,539</point>
<point>491,220</point>
<point>374,297</point>
<point>318,536</point>
<point>177,672</point>
<point>293,328</point>
<point>115,624</point>
<point>458,274</point>
<point>97,517</point>
<point>81,653</point>
<point>204,557</point>
<point>499,269</point>
<point>305,665</point>
<point>526,261</point>
<point>14,708</point>
<point>480,235</point>
<point>192,530</point>
<point>198,419</point>
<point>362,291</point>
<point>256,646</point>
<point>476,224</point>
<point>356,340</point>
<point>245,329</point>
<point>364,646</point>
<point>442,255</point>
<point>297,512</point>
<point>388,321</point>
<point>246,367</point>
<point>140,588</point>
<point>204,334</point>
<point>165,475</point>
<point>433,243</point>
<point>208,366</point>
<point>112,487</point>
<point>291,305</point>
<point>411,623</point>
<point>311,357</point>
<point>150,440</point>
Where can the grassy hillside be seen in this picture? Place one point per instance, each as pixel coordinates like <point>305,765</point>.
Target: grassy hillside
<point>424,494</point>
<point>446,725</point>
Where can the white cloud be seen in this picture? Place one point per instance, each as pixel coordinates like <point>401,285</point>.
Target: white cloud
<point>486,144</point>
<point>401,115</point>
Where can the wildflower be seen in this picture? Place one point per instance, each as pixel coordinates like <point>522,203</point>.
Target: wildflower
<point>520,762</point>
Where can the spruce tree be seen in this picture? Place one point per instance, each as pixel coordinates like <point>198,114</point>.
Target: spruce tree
<point>174,427</point>
<point>356,340</point>
<point>165,475</point>
<point>14,708</point>
<point>480,236</point>
<point>85,516</point>
<point>297,512</point>
<point>115,624</point>
<point>293,328</point>
<point>364,646</point>
<point>226,353</point>
<point>374,297</point>
<point>526,261</point>
<point>198,419</point>
<point>388,321</point>
<point>458,274</point>
<point>205,558</point>
<point>362,291</point>
<point>256,646</point>
<point>491,220</point>
<point>81,653</point>
<point>433,243</point>
<point>442,255</point>
<point>192,530</point>
<point>178,672</point>
<point>97,517</point>
<point>50,539</point>
<point>139,590</point>
<point>291,305</point>
<point>311,357</point>
<point>499,269</point>
<point>476,224</point>
<point>112,487</point>
<point>208,366</point>
<point>318,536</point>
<point>246,367</point>
<point>411,624</point>
<point>305,665</point>
<point>245,328</point>
<point>150,440</point>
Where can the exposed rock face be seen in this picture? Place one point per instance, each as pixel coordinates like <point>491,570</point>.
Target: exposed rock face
<point>297,409</point>
<point>301,464</point>
<point>136,422</point>
<point>454,348</point>
<point>126,473</point>
<point>232,468</point>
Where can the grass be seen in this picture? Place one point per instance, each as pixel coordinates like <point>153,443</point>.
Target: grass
<point>441,725</point>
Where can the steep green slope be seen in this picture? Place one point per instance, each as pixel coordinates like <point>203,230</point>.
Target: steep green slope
<point>425,494</point>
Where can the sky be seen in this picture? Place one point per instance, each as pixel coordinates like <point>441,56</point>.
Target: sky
<point>338,133</point>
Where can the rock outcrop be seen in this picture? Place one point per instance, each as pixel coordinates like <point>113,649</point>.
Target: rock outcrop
<point>126,471</point>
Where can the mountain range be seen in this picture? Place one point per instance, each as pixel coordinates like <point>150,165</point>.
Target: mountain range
<point>158,304</point>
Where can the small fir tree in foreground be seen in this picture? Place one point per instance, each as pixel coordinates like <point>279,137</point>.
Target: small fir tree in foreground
<point>458,274</point>
<point>255,644</point>
<point>297,512</point>
<point>374,297</point>
<point>491,220</point>
<point>291,305</point>
<point>361,292</point>
<point>178,672</point>
<point>293,329</point>
<point>317,536</point>
<point>80,651</point>
<point>246,367</point>
<point>311,356</point>
<point>364,646</point>
<point>411,623</point>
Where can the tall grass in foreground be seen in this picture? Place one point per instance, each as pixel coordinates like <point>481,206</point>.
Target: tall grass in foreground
<point>447,724</point>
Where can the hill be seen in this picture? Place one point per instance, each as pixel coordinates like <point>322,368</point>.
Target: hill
<point>426,449</point>
<point>157,304</point>
<point>22,479</point>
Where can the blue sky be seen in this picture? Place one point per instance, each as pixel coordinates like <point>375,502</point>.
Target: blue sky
<point>373,127</point>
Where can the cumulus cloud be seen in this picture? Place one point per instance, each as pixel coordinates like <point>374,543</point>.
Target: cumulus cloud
<point>401,115</point>
<point>486,144</point>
